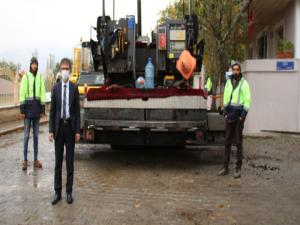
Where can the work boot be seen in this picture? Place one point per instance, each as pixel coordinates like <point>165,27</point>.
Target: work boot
<point>25,165</point>
<point>237,173</point>
<point>37,164</point>
<point>224,171</point>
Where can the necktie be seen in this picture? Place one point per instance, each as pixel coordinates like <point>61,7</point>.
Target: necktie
<point>64,103</point>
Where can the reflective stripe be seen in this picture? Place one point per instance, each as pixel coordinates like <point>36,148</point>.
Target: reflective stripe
<point>239,94</point>
<point>239,98</point>
<point>38,81</point>
<point>31,98</point>
<point>241,82</point>
<point>27,86</point>
<point>40,86</point>
<point>236,104</point>
<point>246,108</point>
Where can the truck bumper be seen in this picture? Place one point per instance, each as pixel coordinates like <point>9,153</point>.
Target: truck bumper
<point>166,127</point>
<point>140,136</point>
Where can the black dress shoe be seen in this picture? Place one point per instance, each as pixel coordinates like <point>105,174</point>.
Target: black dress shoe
<point>56,199</point>
<point>69,198</point>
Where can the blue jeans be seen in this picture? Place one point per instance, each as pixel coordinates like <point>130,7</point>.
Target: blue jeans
<point>35,125</point>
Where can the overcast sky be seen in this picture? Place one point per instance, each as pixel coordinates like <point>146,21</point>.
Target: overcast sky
<point>60,23</point>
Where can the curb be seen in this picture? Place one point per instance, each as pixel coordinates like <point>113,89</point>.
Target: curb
<point>18,127</point>
<point>262,135</point>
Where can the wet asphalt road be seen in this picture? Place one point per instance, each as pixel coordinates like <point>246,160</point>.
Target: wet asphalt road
<point>154,186</point>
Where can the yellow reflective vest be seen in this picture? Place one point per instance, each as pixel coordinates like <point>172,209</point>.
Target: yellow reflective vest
<point>237,100</point>
<point>208,86</point>
<point>32,95</point>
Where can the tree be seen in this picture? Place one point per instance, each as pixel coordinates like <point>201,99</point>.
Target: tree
<point>224,29</point>
<point>8,70</point>
<point>10,65</point>
<point>56,69</point>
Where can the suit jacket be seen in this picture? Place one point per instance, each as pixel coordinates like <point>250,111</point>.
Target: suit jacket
<point>56,107</point>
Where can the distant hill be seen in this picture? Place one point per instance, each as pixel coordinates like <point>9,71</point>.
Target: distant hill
<point>23,56</point>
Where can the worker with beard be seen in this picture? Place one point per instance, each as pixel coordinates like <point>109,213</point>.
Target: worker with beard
<point>32,107</point>
<point>237,101</point>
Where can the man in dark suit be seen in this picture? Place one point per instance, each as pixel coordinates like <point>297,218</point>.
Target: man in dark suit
<point>64,128</point>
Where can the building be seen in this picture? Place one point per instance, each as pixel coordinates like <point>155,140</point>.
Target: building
<point>275,82</point>
<point>50,63</point>
<point>273,20</point>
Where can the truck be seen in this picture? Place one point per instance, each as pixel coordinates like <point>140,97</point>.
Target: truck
<point>81,61</point>
<point>172,113</point>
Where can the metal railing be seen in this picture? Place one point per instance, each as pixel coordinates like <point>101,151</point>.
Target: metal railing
<point>7,73</point>
<point>7,99</point>
<point>9,87</point>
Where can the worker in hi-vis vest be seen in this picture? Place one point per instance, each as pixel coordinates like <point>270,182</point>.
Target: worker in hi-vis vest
<point>208,88</point>
<point>32,107</point>
<point>237,101</point>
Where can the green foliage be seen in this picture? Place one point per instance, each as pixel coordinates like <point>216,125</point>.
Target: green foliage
<point>56,69</point>
<point>285,45</point>
<point>173,11</point>
<point>223,27</point>
<point>10,65</point>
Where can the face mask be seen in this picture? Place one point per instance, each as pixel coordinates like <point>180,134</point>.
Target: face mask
<point>65,75</point>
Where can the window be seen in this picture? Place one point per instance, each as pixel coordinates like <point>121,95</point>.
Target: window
<point>263,47</point>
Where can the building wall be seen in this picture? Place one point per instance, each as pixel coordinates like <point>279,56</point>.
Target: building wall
<point>297,29</point>
<point>275,96</point>
<point>285,17</point>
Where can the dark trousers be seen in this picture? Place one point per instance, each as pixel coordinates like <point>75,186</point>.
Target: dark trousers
<point>234,131</point>
<point>35,125</point>
<point>64,138</point>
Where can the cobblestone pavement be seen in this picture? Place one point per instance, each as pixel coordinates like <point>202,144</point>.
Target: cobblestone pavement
<point>154,186</point>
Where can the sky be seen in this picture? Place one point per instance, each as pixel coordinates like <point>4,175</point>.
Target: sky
<point>50,25</point>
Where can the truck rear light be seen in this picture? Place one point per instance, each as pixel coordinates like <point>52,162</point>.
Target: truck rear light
<point>89,135</point>
<point>85,88</point>
<point>199,134</point>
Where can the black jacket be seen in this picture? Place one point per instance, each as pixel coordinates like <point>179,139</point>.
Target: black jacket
<point>56,106</point>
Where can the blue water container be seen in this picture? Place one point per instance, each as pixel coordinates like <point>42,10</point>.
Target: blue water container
<point>149,74</point>
<point>131,22</point>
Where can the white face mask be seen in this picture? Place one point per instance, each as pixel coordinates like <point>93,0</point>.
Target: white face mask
<point>65,75</point>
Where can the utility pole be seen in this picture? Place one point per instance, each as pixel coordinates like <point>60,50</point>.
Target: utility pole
<point>113,9</point>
